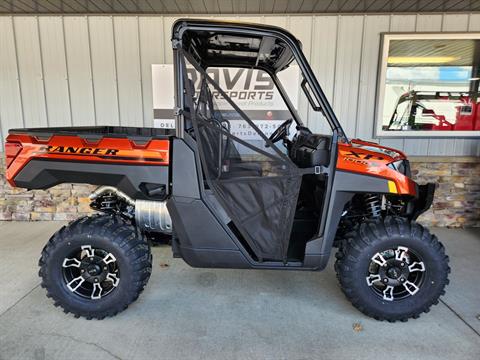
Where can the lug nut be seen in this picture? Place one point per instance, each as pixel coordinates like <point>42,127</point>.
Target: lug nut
<point>104,268</point>
<point>385,280</point>
<point>402,279</point>
<point>82,271</point>
<point>96,280</point>
<point>402,264</point>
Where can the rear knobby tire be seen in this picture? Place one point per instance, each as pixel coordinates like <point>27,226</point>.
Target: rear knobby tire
<point>116,236</point>
<point>355,256</point>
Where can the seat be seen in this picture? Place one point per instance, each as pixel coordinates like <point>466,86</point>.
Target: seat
<point>310,150</point>
<point>243,169</point>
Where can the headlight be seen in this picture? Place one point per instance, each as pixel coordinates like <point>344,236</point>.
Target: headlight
<point>402,166</point>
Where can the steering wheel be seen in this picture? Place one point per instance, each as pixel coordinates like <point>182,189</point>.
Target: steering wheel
<point>281,132</point>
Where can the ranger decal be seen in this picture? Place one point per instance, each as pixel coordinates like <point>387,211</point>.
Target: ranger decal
<point>81,150</point>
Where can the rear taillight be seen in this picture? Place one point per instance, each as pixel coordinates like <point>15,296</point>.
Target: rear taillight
<point>12,149</point>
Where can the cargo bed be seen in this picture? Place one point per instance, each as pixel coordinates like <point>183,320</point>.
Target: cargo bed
<point>98,132</point>
<point>135,160</point>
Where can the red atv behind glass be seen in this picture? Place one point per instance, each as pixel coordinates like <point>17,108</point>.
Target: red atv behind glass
<point>415,110</point>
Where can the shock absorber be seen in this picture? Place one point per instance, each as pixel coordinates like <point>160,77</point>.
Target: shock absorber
<point>373,205</point>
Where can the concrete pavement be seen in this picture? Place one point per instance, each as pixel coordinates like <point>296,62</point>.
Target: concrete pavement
<point>188,313</point>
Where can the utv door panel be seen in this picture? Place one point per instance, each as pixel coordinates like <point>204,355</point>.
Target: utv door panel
<point>263,209</point>
<point>257,187</point>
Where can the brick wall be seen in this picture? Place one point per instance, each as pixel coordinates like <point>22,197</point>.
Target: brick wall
<point>62,202</point>
<point>457,197</point>
<point>456,204</point>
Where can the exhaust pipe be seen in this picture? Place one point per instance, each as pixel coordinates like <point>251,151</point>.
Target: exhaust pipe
<point>149,215</point>
<point>153,216</point>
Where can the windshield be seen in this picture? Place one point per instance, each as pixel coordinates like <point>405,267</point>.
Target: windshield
<point>303,99</point>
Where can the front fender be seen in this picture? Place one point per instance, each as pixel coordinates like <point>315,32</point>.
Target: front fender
<point>345,185</point>
<point>422,202</point>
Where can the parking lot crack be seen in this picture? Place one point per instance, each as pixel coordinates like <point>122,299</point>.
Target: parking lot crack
<point>84,343</point>
<point>460,317</point>
<point>19,300</point>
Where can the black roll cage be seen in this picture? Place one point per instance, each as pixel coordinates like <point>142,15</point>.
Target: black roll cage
<point>318,249</point>
<point>233,28</point>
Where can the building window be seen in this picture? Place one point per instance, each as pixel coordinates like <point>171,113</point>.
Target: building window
<point>429,85</point>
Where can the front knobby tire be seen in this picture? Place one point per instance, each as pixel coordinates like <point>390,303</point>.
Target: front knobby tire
<point>96,266</point>
<point>392,269</point>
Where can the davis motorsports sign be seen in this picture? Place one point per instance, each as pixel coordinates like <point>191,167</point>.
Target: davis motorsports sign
<point>252,90</point>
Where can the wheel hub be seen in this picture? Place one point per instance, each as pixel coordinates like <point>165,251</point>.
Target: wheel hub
<point>93,269</point>
<point>395,274</point>
<point>91,273</point>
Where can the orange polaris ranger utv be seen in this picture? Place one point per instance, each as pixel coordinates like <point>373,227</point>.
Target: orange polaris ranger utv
<point>231,194</point>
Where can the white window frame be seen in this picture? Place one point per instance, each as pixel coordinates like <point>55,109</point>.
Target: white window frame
<point>384,47</point>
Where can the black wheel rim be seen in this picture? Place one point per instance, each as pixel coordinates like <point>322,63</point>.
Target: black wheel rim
<point>91,273</point>
<point>396,274</point>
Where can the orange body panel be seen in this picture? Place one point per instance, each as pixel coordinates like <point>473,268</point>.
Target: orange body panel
<point>372,159</point>
<point>73,148</point>
<point>359,157</point>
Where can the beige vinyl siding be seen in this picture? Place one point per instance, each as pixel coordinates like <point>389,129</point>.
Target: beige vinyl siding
<point>96,70</point>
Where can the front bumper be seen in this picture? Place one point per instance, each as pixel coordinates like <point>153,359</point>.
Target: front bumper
<point>423,200</point>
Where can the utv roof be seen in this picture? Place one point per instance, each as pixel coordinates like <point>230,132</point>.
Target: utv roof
<point>236,44</point>
<point>433,95</point>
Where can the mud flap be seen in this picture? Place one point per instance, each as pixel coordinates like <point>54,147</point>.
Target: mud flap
<point>424,200</point>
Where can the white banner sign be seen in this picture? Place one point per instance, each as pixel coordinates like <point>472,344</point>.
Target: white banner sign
<point>252,90</point>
